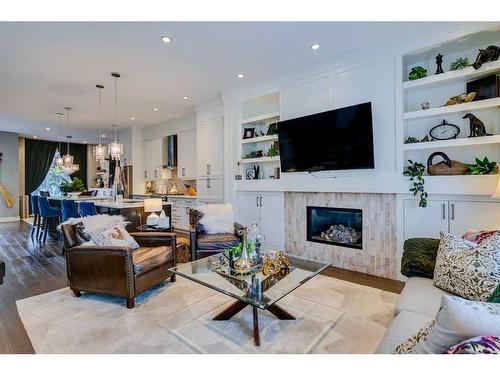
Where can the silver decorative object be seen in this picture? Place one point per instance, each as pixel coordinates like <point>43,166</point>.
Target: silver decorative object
<point>425,105</point>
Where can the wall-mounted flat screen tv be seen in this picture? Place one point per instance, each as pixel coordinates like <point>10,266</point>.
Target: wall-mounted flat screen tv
<point>334,140</point>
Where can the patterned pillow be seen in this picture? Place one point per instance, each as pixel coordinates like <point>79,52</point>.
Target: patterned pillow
<point>113,235</point>
<point>477,345</point>
<point>467,269</point>
<point>406,346</point>
<point>479,236</point>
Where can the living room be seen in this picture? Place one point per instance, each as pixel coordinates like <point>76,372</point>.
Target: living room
<point>187,187</point>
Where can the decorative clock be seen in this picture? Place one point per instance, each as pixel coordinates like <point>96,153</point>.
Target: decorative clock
<point>444,131</point>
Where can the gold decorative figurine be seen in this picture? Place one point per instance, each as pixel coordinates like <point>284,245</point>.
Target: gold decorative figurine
<point>274,266</point>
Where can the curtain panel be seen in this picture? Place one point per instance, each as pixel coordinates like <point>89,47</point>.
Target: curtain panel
<point>38,159</point>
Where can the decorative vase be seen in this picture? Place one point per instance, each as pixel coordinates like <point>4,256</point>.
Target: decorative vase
<point>256,241</point>
<point>243,264</point>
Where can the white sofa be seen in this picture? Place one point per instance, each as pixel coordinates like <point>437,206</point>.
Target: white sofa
<point>418,304</point>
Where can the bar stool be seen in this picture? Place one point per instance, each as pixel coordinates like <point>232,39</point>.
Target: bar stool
<point>69,209</point>
<point>87,209</point>
<point>47,212</point>
<point>36,215</point>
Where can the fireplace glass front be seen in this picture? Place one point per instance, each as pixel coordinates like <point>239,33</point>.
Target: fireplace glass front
<point>335,226</point>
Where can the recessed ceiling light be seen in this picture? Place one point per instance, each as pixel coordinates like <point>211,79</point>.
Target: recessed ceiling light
<point>241,76</point>
<point>103,136</point>
<point>166,39</point>
<point>132,118</point>
<point>35,137</point>
<point>155,109</point>
<point>85,142</point>
<point>185,97</point>
<point>47,128</point>
<point>315,46</point>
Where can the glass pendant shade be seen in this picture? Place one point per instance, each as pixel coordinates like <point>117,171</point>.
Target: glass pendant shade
<point>59,162</point>
<point>115,150</point>
<point>100,152</point>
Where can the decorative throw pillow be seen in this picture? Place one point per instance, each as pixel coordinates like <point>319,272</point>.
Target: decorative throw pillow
<point>495,297</point>
<point>477,345</point>
<point>406,346</point>
<point>217,218</point>
<point>114,235</point>
<point>419,257</point>
<point>479,236</point>
<point>468,269</point>
<point>458,320</point>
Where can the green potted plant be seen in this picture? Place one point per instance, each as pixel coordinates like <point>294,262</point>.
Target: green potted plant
<point>482,167</point>
<point>417,72</point>
<point>416,171</point>
<point>73,186</point>
<point>460,64</point>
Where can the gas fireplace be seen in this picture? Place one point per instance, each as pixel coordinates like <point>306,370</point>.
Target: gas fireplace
<point>335,226</point>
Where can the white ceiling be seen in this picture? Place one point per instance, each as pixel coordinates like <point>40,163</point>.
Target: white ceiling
<point>46,66</point>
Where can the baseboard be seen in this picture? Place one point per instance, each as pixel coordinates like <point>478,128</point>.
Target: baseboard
<point>9,219</point>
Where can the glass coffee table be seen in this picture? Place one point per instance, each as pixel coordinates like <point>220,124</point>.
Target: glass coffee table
<point>251,289</point>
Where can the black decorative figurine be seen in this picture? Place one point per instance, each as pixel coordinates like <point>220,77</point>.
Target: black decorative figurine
<point>439,63</point>
<point>492,53</point>
<point>477,128</point>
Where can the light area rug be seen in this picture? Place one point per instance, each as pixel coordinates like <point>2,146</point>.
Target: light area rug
<point>333,316</point>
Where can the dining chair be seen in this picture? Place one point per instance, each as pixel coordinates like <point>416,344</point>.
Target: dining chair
<point>69,209</point>
<point>36,214</point>
<point>47,214</point>
<point>44,194</point>
<point>87,209</point>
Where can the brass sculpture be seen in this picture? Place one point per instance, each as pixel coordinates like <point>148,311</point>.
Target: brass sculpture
<point>273,266</point>
<point>462,98</point>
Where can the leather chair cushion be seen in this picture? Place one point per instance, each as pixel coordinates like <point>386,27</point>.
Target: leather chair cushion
<point>146,258</point>
<point>217,241</point>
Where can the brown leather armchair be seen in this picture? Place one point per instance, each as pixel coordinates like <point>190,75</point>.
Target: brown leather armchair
<point>204,244</point>
<point>119,271</point>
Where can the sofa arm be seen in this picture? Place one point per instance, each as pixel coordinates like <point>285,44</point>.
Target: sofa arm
<point>419,257</point>
<point>105,269</point>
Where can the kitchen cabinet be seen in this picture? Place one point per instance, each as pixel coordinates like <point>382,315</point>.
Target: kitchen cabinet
<point>152,156</point>
<point>267,210</point>
<point>210,148</point>
<point>180,211</point>
<point>186,155</point>
<point>210,189</point>
<point>450,216</point>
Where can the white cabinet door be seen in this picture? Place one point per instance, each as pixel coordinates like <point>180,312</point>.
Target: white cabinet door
<point>210,148</point>
<point>473,215</point>
<point>210,189</point>
<point>248,209</point>
<point>427,221</point>
<point>272,223</point>
<point>186,155</point>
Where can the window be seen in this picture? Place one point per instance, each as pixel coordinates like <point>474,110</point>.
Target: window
<point>54,178</point>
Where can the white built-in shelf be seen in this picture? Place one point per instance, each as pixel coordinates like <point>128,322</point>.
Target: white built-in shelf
<point>264,159</point>
<point>462,75</point>
<point>266,116</point>
<point>487,140</point>
<point>260,139</point>
<point>464,107</point>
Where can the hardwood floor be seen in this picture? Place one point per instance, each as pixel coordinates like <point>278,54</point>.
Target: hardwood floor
<point>33,268</point>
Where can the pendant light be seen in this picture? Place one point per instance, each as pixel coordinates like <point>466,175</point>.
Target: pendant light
<point>59,160</point>
<point>100,150</point>
<point>68,159</point>
<point>115,149</point>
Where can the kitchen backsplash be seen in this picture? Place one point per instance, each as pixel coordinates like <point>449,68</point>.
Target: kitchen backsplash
<point>167,186</point>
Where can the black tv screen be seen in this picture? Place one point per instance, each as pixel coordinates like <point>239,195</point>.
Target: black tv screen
<point>332,140</point>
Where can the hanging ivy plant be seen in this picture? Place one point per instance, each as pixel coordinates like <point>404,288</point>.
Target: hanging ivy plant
<point>415,171</point>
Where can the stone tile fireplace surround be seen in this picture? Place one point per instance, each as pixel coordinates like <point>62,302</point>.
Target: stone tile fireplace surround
<point>379,248</point>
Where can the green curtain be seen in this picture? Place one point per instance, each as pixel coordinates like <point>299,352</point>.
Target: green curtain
<point>38,158</point>
<point>79,153</point>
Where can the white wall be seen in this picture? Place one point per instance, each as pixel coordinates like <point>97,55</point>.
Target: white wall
<point>170,127</point>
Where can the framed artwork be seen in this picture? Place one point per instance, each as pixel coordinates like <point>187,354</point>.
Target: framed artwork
<point>248,133</point>
<point>250,174</point>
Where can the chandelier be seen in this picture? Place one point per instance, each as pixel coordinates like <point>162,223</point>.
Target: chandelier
<point>115,149</point>
<point>68,166</point>
<point>99,151</point>
<point>59,160</point>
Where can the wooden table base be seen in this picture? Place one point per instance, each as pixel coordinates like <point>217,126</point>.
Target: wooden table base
<point>237,306</point>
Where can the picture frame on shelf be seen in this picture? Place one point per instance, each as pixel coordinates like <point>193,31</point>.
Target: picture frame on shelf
<point>250,174</point>
<point>248,133</point>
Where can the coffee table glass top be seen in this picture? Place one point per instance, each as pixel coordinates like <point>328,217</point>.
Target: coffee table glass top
<point>253,288</point>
